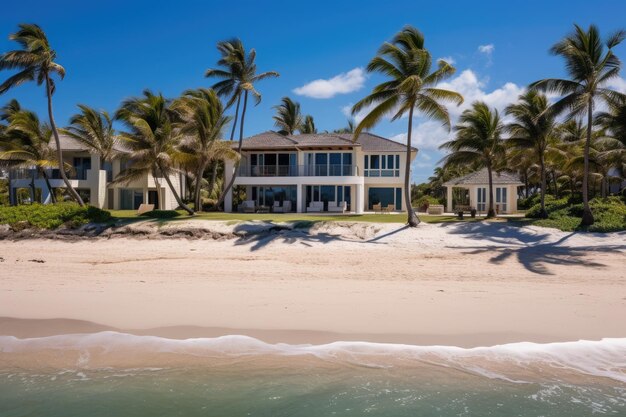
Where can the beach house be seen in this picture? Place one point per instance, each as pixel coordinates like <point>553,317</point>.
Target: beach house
<point>93,180</point>
<point>318,173</point>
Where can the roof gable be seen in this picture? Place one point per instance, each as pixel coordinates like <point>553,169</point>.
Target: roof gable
<point>481,177</point>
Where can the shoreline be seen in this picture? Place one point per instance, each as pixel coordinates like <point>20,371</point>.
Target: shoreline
<point>473,284</point>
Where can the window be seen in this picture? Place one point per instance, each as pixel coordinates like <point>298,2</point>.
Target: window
<point>481,199</point>
<point>382,165</point>
<point>501,200</point>
<point>398,203</point>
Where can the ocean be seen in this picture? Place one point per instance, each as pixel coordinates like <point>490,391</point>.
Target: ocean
<point>115,374</point>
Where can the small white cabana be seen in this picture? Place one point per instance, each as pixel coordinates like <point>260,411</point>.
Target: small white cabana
<point>477,183</point>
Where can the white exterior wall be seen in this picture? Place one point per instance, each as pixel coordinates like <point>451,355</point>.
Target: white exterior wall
<point>511,197</point>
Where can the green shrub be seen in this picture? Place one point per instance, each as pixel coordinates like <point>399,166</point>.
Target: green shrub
<point>51,216</point>
<point>161,214</point>
<point>424,201</point>
<point>609,215</point>
<point>551,205</point>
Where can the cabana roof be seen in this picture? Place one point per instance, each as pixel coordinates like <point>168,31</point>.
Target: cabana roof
<point>481,177</point>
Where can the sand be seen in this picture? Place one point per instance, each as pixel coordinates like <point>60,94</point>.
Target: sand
<point>464,284</point>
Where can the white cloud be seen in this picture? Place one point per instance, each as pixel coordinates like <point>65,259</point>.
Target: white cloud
<point>347,111</point>
<point>617,84</point>
<point>486,49</point>
<point>449,60</point>
<point>343,83</point>
<point>426,135</point>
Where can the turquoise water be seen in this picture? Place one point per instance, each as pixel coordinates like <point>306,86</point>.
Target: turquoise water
<point>117,375</point>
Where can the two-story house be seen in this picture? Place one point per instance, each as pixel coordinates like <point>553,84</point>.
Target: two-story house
<point>322,168</point>
<point>93,179</point>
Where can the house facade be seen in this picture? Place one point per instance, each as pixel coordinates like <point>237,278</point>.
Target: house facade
<point>505,187</point>
<point>93,179</point>
<point>319,172</point>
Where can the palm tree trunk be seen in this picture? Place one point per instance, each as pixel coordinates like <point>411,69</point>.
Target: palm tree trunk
<point>213,177</point>
<point>491,213</point>
<point>198,189</point>
<point>55,133</point>
<point>587,219</point>
<point>232,131</point>
<point>542,166</point>
<point>526,186</point>
<point>232,180</point>
<point>53,198</point>
<point>556,184</point>
<point>176,195</point>
<point>412,218</point>
<point>158,191</point>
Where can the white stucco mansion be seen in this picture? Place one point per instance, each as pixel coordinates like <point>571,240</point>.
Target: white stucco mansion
<point>320,172</point>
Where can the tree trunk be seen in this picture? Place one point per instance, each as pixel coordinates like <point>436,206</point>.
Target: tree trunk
<point>232,131</point>
<point>412,218</point>
<point>556,184</point>
<point>491,213</point>
<point>587,219</point>
<point>604,186</point>
<point>198,189</point>
<point>53,198</point>
<point>176,195</point>
<point>55,133</point>
<point>157,203</point>
<point>232,180</point>
<point>542,166</point>
<point>526,186</point>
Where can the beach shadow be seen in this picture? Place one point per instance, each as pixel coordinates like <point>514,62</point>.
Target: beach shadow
<point>390,233</point>
<point>257,236</point>
<point>534,250</point>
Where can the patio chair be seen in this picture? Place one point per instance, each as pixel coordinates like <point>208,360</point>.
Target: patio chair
<point>435,209</point>
<point>337,208</point>
<point>277,208</point>
<point>378,208</point>
<point>247,206</point>
<point>286,206</point>
<point>388,208</point>
<point>315,206</point>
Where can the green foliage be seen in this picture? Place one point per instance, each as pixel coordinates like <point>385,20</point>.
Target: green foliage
<point>609,214</point>
<point>4,192</point>
<point>161,214</point>
<point>51,216</point>
<point>426,200</point>
<point>552,204</point>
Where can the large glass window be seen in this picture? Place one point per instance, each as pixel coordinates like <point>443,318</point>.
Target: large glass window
<point>382,165</point>
<point>501,203</point>
<point>329,193</point>
<point>481,199</point>
<point>381,195</point>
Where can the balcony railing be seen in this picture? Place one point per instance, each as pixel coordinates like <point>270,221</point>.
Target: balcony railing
<point>75,174</point>
<point>23,174</point>
<point>323,170</point>
<point>381,172</point>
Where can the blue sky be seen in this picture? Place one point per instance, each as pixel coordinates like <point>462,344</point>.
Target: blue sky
<point>114,49</point>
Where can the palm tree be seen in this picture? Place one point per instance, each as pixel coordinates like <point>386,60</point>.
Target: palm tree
<point>478,141</point>
<point>202,125</point>
<point>25,143</point>
<point>151,140</point>
<point>35,62</point>
<point>308,126</point>
<point>532,129</point>
<point>238,76</point>
<point>94,129</point>
<point>411,86</point>
<point>349,128</point>
<point>288,117</point>
<point>589,67</point>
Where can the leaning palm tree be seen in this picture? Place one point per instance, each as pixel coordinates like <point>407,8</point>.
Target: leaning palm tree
<point>35,62</point>
<point>589,66</point>
<point>94,129</point>
<point>288,118</point>
<point>202,125</point>
<point>479,142</point>
<point>25,143</point>
<point>412,86</point>
<point>238,74</point>
<point>151,140</point>
<point>308,126</point>
<point>532,129</point>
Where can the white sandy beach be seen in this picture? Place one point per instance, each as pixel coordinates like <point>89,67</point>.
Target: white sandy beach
<point>451,284</point>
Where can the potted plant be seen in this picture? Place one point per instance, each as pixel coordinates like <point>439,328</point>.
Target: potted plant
<point>460,214</point>
<point>473,213</point>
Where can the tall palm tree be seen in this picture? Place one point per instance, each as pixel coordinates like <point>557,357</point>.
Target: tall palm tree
<point>411,86</point>
<point>35,62</point>
<point>532,129</point>
<point>151,140</point>
<point>25,143</point>
<point>478,141</point>
<point>288,117</point>
<point>308,126</point>
<point>238,75</point>
<point>94,129</point>
<point>589,66</point>
<point>202,125</point>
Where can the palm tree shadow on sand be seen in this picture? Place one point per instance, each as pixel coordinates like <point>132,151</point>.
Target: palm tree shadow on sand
<point>290,234</point>
<point>535,251</point>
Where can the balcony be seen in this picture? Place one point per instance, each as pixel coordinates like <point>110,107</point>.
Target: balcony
<point>324,170</point>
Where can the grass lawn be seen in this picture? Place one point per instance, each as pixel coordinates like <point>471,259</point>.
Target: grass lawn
<point>131,215</point>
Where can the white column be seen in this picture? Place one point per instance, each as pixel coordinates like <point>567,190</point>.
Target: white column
<point>449,199</point>
<point>300,199</point>
<point>360,198</point>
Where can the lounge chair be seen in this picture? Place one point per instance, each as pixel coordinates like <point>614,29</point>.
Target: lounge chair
<point>378,208</point>
<point>145,208</point>
<point>285,208</point>
<point>337,208</point>
<point>389,208</point>
<point>315,206</point>
<point>247,206</point>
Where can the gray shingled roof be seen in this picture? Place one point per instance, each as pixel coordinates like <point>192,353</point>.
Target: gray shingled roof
<point>68,143</point>
<point>481,177</point>
<point>367,141</point>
